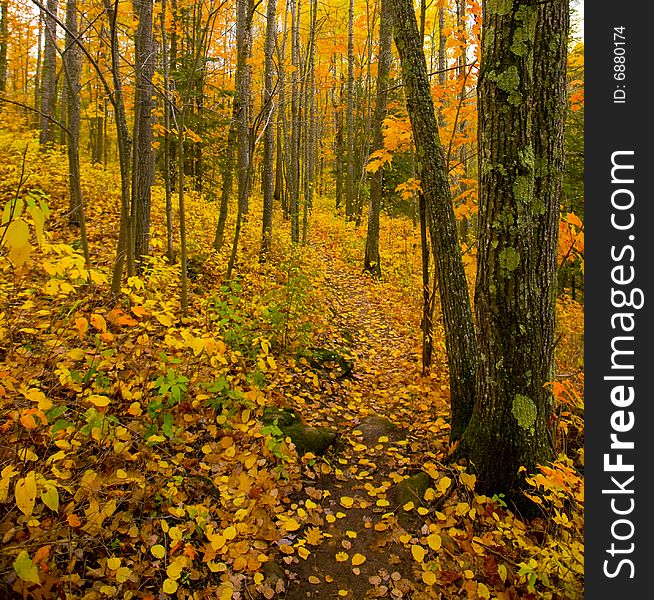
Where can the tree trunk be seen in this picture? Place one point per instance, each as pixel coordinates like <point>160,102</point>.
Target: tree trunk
<point>167,107</point>
<point>125,247</point>
<point>310,152</point>
<point>73,68</point>
<point>294,167</point>
<point>455,302</point>
<point>4,35</point>
<point>227,168</point>
<point>372,262</point>
<point>349,118</point>
<point>243,35</point>
<point>521,91</point>
<point>48,77</point>
<point>142,152</point>
<point>268,178</point>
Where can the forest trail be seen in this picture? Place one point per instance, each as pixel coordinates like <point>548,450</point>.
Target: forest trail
<point>390,422</point>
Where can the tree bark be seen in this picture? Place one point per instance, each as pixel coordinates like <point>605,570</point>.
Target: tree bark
<point>350,199</point>
<point>372,261</point>
<point>294,167</point>
<point>455,301</point>
<point>142,152</point>
<point>4,35</point>
<point>269,133</point>
<point>520,142</point>
<point>48,87</point>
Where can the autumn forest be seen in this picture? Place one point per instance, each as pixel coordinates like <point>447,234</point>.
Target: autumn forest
<point>291,299</point>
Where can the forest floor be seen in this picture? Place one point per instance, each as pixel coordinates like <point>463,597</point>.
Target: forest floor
<point>390,421</point>
<point>136,460</point>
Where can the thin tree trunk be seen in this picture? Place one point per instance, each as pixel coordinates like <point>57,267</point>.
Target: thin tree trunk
<point>125,248</point>
<point>227,168</point>
<point>243,35</point>
<point>349,126</point>
<point>268,178</point>
<point>142,152</point>
<point>48,77</point>
<point>455,302</point>
<point>182,210</point>
<point>309,137</point>
<point>73,68</point>
<point>37,76</point>
<point>4,35</point>
<point>167,106</point>
<point>372,261</point>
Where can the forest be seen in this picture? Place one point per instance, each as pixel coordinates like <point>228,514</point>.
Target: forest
<point>291,299</point>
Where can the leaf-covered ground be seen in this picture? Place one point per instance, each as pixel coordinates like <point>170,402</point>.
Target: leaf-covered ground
<point>138,458</point>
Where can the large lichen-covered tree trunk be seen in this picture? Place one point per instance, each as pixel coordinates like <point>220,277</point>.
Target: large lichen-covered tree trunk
<point>514,297</point>
<point>455,302</point>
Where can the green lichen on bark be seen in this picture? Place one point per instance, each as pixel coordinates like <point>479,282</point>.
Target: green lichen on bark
<point>524,411</point>
<point>527,15</point>
<point>519,43</point>
<point>509,260</point>
<point>499,7</point>
<point>509,81</point>
<point>523,188</point>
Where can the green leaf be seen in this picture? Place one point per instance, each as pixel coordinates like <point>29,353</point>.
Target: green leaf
<point>26,569</point>
<point>167,426</point>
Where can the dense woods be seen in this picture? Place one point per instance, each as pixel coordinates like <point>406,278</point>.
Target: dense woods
<point>292,299</point>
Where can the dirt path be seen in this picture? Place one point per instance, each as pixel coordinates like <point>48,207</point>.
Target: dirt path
<point>387,418</point>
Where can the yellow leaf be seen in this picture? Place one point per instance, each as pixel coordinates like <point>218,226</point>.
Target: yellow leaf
<point>341,556</point>
<point>443,484</point>
<point>25,568</point>
<point>342,593</point>
<point>17,234</point>
<point>50,497</point>
<point>346,502</point>
<point>98,322</point>
<point>483,591</point>
<point>158,551</point>
<point>99,401</point>
<point>351,534</point>
<point>36,395</point>
<point>418,552</point>
<point>170,586</point>
<point>113,563</point>
<point>25,493</point>
<point>468,480</point>
<point>502,572</point>
<point>291,525</point>
<point>358,559</point>
<point>174,570</point>
<point>18,255</point>
<point>82,326</point>
<point>164,319</point>
<point>429,577</point>
<point>303,552</point>
<point>122,574</point>
<point>313,536</point>
<point>408,506</point>
<point>313,579</point>
<point>434,541</point>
